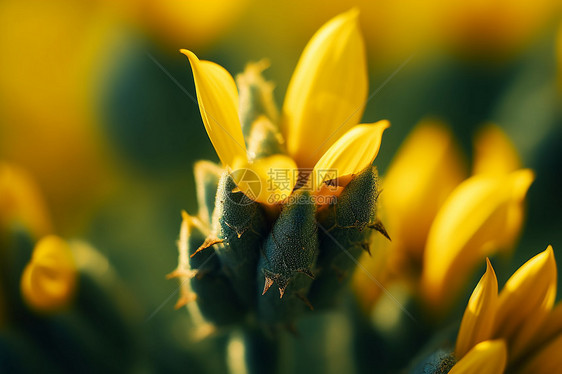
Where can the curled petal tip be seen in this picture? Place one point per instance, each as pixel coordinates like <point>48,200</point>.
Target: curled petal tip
<point>188,53</point>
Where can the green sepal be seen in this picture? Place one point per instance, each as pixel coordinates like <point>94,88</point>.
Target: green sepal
<point>345,232</point>
<point>288,261</point>
<point>441,361</point>
<point>259,115</point>
<point>239,226</point>
<point>200,273</point>
<point>256,96</point>
<point>264,139</point>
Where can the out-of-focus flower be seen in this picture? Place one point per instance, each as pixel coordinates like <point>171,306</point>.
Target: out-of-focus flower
<point>393,30</point>
<point>48,282</point>
<point>423,173</point>
<point>323,105</point>
<point>494,153</point>
<point>482,216</point>
<point>22,211</point>
<point>442,228</point>
<point>196,22</point>
<point>496,28</point>
<point>54,54</point>
<point>396,30</point>
<point>21,202</point>
<point>522,316</point>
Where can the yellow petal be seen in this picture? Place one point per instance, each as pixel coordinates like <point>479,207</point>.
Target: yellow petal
<point>353,152</point>
<point>482,216</point>
<point>327,92</point>
<point>218,104</point>
<point>546,360</point>
<point>479,315</point>
<point>426,169</point>
<point>49,280</point>
<point>488,357</point>
<point>526,300</point>
<point>268,180</point>
<point>550,327</point>
<point>494,153</point>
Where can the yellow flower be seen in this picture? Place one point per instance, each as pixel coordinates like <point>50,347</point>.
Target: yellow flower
<point>21,207</point>
<point>200,22</point>
<point>482,215</point>
<point>49,80</point>
<point>324,103</point>
<point>48,282</point>
<point>522,316</point>
<point>423,173</point>
<point>442,226</point>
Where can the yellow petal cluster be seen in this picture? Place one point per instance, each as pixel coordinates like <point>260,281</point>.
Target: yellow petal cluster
<point>49,280</point>
<point>481,216</point>
<point>522,316</point>
<point>421,176</point>
<point>443,222</point>
<point>324,103</point>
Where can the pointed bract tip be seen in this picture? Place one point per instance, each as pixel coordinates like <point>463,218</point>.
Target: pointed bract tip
<point>184,215</point>
<point>307,272</point>
<point>184,300</point>
<point>489,267</point>
<point>377,225</point>
<point>267,285</point>
<point>282,291</point>
<point>209,242</point>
